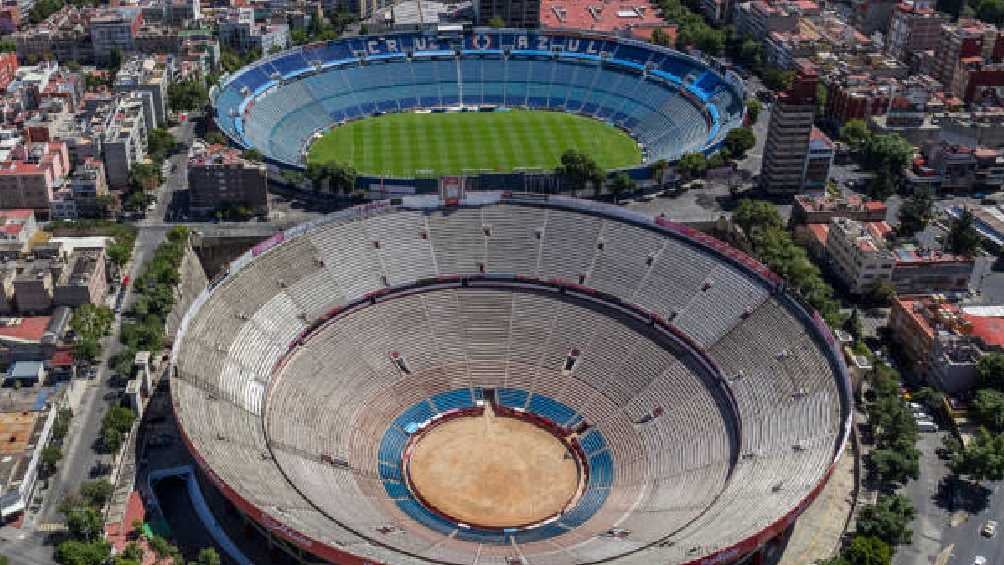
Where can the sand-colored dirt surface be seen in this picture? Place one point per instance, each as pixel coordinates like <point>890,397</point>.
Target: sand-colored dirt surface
<point>494,472</point>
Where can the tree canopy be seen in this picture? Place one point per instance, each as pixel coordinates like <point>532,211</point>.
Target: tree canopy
<point>579,171</point>
<point>962,238</point>
<point>914,214</point>
<point>888,519</point>
<point>738,141</point>
<point>692,165</point>
<point>187,95</point>
<point>774,246</point>
<point>621,184</point>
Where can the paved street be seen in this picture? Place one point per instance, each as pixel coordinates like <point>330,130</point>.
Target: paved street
<point>79,458</point>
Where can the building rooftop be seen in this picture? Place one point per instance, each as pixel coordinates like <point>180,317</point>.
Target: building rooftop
<point>598,16</point>
<point>23,329</point>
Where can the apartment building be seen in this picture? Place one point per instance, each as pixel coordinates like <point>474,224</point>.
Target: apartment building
<point>915,26</point>
<point>147,74</point>
<point>858,253</point>
<point>218,177</point>
<point>124,141</point>
<point>789,133</point>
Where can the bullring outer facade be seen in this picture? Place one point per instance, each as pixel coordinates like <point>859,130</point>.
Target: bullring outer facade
<point>699,406</point>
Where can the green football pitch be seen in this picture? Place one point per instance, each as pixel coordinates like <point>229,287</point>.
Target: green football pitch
<point>419,144</point>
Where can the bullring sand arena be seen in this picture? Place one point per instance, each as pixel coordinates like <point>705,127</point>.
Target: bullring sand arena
<point>508,379</point>
<point>494,472</point>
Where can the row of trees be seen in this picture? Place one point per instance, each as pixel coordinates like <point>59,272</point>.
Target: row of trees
<point>52,453</point>
<point>737,142</point>
<point>768,239</point>
<point>91,324</point>
<point>882,526</point>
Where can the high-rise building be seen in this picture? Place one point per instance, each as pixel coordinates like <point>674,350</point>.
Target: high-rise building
<point>915,26</point>
<point>513,13</point>
<point>789,133</point>
<point>221,180</point>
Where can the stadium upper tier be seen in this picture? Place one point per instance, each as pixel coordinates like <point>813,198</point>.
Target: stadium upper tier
<point>670,102</point>
<point>719,404</point>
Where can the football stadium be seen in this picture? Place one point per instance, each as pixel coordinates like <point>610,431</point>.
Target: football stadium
<point>508,379</point>
<point>514,101</point>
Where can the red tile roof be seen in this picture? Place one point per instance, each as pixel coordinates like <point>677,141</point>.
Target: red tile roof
<point>990,329</point>
<point>29,329</point>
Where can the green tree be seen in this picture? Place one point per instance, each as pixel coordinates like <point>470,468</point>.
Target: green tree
<point>738,141</point>
<point>990,370</point>
<point>895,465</point>
<point>253,155</point>
<point>622,184</point>
<point>216,138</point>
<point>115,424</point>
<point>881,293</point>
<point>187,95</point>
<point>7,45</point>
<point>341,177</point>
<point>886,153</point>
<point>914,214</point>
<point>207,556</point>
<point>51,454</point>
<point>987,409</point>
<point>659,37</point>
<point>982,459</point>
<point>881,187</point>
<point>74,552</point>
<point>61,425</point>
<point>777,79</point>
<point>692,165</point>
<point>963,239</point>
<point>496,22</point>
<point>145,177</point>
<point>97,493</point>
<point>855,133</point>
<point>160,143</point>
<point>756,214</point>
<point>85,523</point>
<point>888,519</point>
<point>87,349</point>
<point>92,321</point>
<point>42,9</point>
<point>579,171</point>
<point>753,108</point>
<point>867,550</point>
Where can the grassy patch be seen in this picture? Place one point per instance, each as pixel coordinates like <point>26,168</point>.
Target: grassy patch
<point>411,144</point>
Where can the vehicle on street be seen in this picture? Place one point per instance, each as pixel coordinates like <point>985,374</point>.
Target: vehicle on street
<point>990,528</point>
<point>927,426</point>
<point>980,560</point>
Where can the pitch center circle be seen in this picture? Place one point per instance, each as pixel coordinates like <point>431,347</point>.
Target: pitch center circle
<point>492,471</point>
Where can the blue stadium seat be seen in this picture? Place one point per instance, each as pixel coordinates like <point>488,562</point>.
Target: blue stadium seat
<point>601,470</point>
<point>453,400</point>
<point>512,397</point>
<point>416,413</point>
<point>550,409</point>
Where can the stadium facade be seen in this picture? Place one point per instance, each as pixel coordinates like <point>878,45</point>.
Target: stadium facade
<point>707,406</point>
<point>670,102</point>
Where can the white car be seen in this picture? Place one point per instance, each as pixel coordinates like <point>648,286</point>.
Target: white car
<point>990,528</point>
<point>980,560</point>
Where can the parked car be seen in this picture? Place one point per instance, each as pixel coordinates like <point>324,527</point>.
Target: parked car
<point>980,560</point>
<point>927,426</point>
<point>990,528</point>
